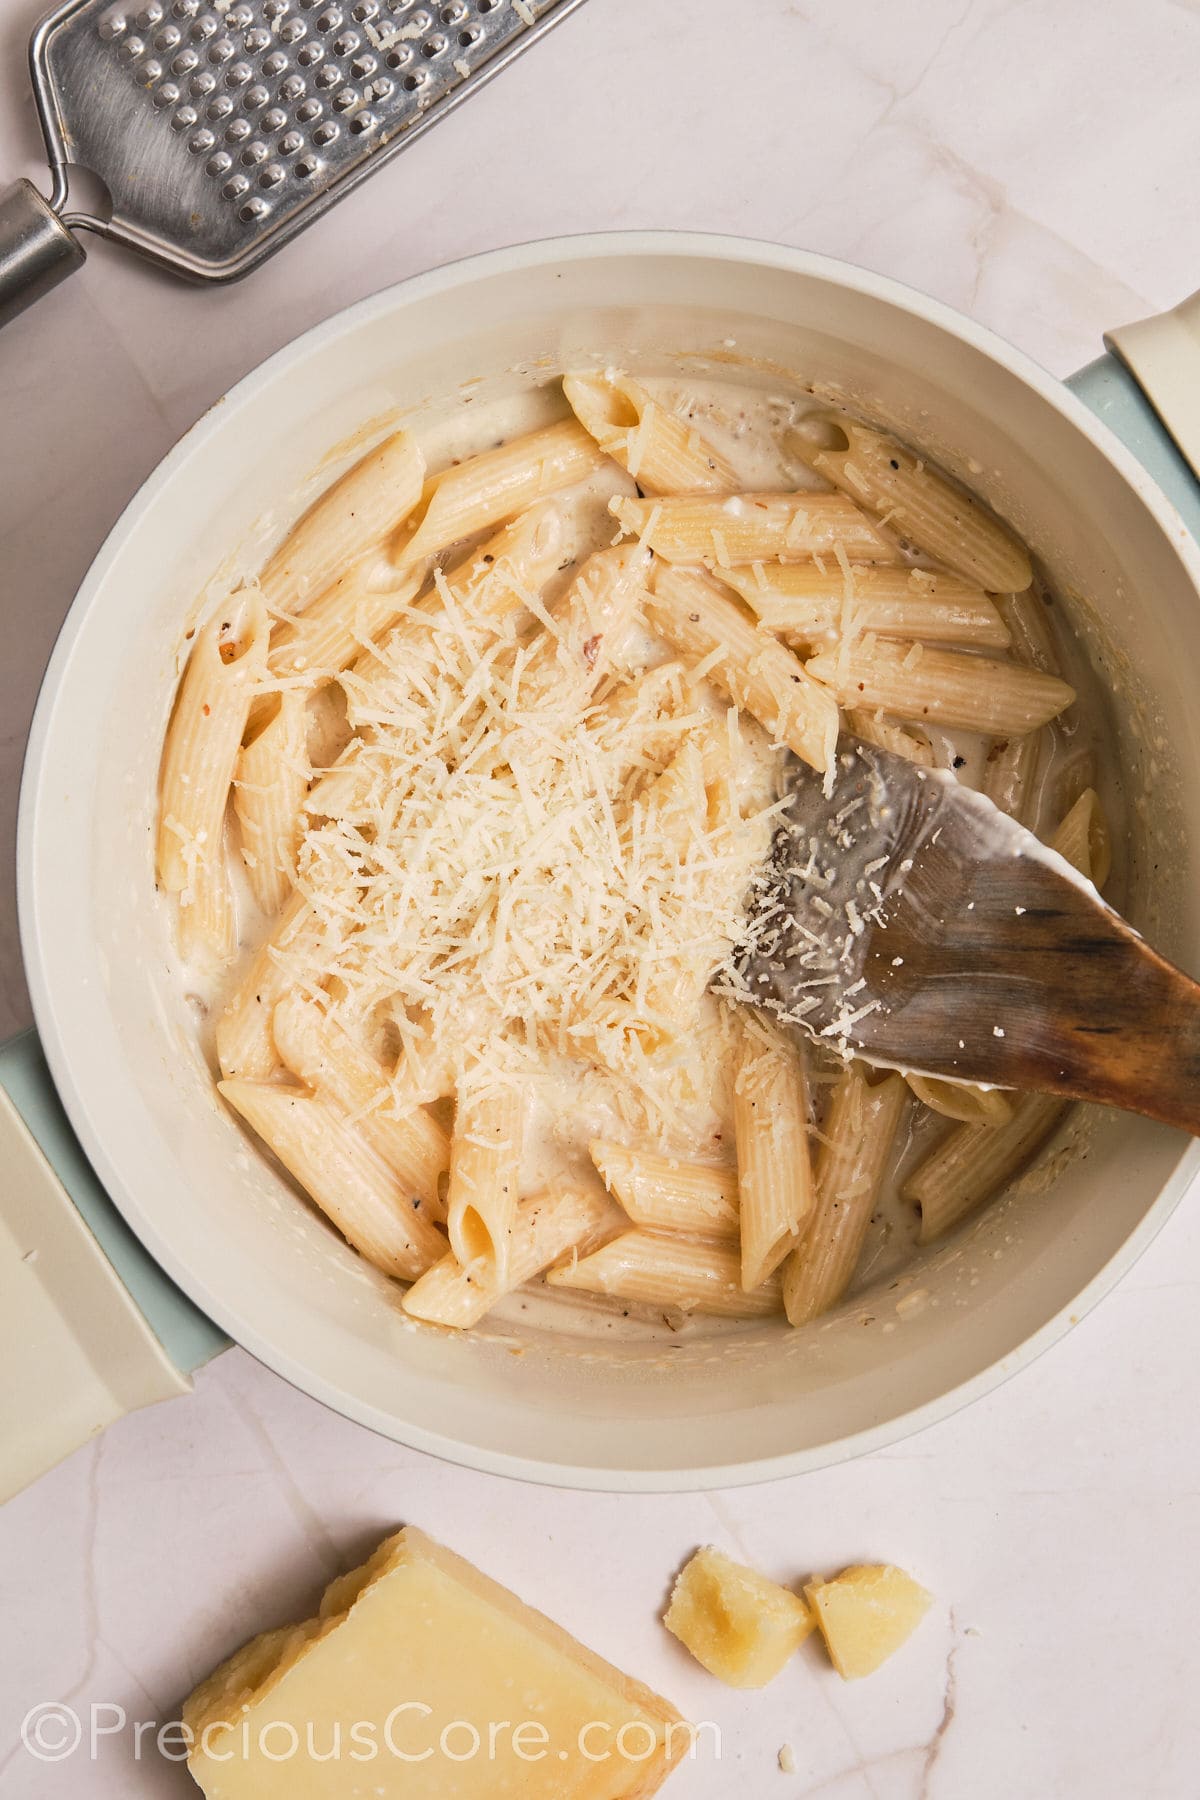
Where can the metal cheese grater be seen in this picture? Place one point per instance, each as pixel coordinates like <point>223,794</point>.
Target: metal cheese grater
<point>220,128</point>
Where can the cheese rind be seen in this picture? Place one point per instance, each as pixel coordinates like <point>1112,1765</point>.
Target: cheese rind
<point>421,1679</point>
<point>738,1624</point>
<point>865,1614</point>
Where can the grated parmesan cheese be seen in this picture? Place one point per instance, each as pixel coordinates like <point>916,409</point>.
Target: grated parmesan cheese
<point>524,851</point>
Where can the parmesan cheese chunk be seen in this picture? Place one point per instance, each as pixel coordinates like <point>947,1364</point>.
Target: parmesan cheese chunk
<point>421,1679</point>
<point>742,1627</point>
<point>865,1614</point>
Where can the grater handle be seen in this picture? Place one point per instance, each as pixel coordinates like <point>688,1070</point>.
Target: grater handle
<point>36,249</point>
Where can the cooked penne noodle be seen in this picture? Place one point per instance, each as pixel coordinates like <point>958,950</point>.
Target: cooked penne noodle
<point>750,528</point>
<point>359,510</point>
<point>567,663</point>
<point>810,605</point>
<point>269,789</point>
<point>1014,765</point>
<point>356,609</point>
<point>690,1276</point>
<point>758,673</point>
<point>485,1170</point>
<point>664,454</point>
<point>547,1227</point>
<point>475,495</point>
<point>497,580</point>
<point>774,1167</point>
<point>1010,775</point>
<point>340,1172</point>
<point>976,1161</point>
<point>407,1138</point>
<point>493,583</point>
<point>1028,620</point>
<point>930,512</point>
<point>902,740</point>
<point>1085,840</point>
<point>676,813</point>
<point>665,1193</point>
<point>1078,773</point>
<point>947,687</point>
<point>961,1100</point>
<point>199,759</point>
<point>864,1117</point>
<point>245,1045</point>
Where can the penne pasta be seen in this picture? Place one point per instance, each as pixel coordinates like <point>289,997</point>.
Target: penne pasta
<point>358,511</point>
<point>405,1137</point>
<point>902,740</point>
<point>1077,773</point>
<point>1010,774</point>
<point>961,1100</point>
<point>547,1227</point>
<point>774,1168</point>
<point>671,1272</point>
<point>500,577</point>
<point>587,634</point>
<point>269,790</point>
<point>750,528</point>
<point>807,604</point>
<point>976,1161</point>
<point>1028,620</point>
<point>245,1044</point>
<point>932,513</point>
<point>327,636</point>
<point>664,454</point>
<point>758,673</point>
<point>1085,840</point>
<point>473,496</point>
<point>864,1117</point>
<point>666,1193</point>
<point>495,582</point>
<point>485,1170</point>
<point>339,1171</point>
<point>199,760</point>
<point>946,687</point>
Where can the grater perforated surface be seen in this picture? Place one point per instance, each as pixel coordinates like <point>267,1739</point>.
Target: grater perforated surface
<point>221,127</point>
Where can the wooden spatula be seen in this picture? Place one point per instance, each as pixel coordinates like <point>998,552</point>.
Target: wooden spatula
<point>904,918</point>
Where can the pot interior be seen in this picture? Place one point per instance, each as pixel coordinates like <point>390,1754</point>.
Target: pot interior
<point>117,1028</point>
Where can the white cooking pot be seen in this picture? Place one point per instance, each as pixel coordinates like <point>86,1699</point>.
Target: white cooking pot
<point>115,1031</point>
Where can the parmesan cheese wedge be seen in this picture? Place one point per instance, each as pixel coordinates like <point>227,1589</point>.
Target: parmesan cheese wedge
<point>421,1679</point>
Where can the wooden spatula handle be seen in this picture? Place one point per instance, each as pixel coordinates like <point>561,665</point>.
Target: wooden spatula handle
<point>1144,1052</point>
<point>1028,980</point>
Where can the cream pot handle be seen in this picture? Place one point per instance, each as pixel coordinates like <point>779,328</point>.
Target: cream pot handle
<point>1163,356</point>
<point>76,1351</point>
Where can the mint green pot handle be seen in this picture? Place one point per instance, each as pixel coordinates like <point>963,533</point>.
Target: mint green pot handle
<point>90,1327</point>
<point>1163,356</point>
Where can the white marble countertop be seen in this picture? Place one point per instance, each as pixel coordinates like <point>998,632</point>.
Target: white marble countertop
<point>1030,164</point>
